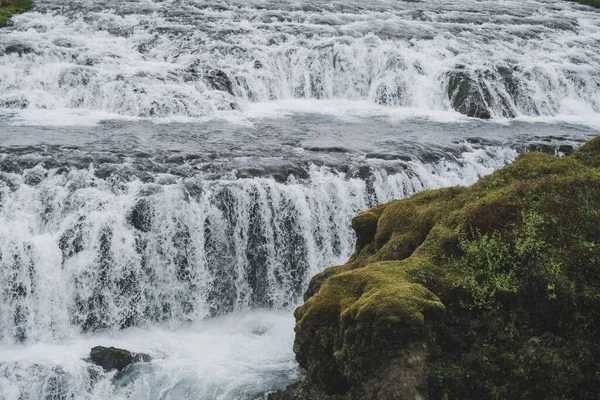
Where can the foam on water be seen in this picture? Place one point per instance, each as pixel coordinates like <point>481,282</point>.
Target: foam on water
<point>84,252</point>
<point>193,242</point>
<point>179,59</point>
<point>347,110</point>
<point>240,356</point>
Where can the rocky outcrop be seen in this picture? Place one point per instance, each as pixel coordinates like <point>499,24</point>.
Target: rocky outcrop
<point>219,80</point>
<point>111,358</point>
<point>465,96</point>
<point>478,93</point>
<point>491,291</point>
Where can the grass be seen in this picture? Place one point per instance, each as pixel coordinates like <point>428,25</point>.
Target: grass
<point>10,7</point>
<point>593,3</point>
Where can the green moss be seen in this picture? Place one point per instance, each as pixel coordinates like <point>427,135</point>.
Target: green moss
<point>10,7</point>
<point>589,153</point>
<point>594,3</point>
<point>365,226</point>
<point>500,278</point>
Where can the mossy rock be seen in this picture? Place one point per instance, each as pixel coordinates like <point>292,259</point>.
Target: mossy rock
<point>593,3</point>
<point>10,7</point>
<point>499,282</point>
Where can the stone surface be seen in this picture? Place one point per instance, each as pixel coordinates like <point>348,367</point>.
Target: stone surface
<point>111,358</point>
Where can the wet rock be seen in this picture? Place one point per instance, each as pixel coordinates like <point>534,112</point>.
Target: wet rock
<point>110,358</point>
<point>219,80</point>
<point>565,149</point>
<point>466,97</point>
<point>71,241</point>
<point>328,149</point>
<point>34,177</point>
<point>504,99</point>
<point>542,148</point>
<point>15,103</point>
<point>388,156</point>
<point>140,216</point>
<point>17,48</point>
<point>105,171</point>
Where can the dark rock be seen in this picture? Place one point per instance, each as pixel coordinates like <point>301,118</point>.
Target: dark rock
<point>111,358</point>
<point>471,94</point>
<point>219,80</point>
<point>465,96</point>
<point>140,216</point>
<point>15,103</point>
<point>17,48</point>
<point>388,157</point>
<point>330,149</point>
<point>565,149</point>
<point>542,148</point>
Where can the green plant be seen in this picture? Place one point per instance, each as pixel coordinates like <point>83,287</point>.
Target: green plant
<point>494,265</point>
<point>10,7</point>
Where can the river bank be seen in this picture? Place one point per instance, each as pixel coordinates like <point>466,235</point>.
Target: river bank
<point>10,7</point>
<point>490,291</point>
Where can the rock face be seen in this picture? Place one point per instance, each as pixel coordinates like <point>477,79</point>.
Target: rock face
<point>491,291</point>
<point>111,358</point>
<point>220,81</point>
<point>470,95</point>
<point>465,96</point>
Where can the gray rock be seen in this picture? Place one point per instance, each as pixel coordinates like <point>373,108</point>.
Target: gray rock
<point>110,358</point>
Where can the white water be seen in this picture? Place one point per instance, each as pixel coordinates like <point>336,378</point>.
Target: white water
<point>272,123</point>
<point>234,357</point>
<point>72,262</point>
<point>160,59</point>
<point>83,253</point>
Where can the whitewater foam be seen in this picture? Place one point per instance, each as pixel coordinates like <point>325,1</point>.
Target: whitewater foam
<point>239,356</point>
<point>193,60</point>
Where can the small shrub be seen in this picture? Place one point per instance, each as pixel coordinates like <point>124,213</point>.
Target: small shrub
<point>494,265</point>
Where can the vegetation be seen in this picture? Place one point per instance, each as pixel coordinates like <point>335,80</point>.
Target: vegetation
<point>595,3</point>
<point>500,282</point>
<point>10,7</point>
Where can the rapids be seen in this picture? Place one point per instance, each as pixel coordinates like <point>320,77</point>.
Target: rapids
<point>172,173</point>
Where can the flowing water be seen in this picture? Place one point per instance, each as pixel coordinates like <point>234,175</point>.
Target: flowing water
<point>172,173</point>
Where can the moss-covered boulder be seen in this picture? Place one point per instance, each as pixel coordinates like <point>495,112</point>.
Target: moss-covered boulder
<point>485,292</point>
<point>10,7</point>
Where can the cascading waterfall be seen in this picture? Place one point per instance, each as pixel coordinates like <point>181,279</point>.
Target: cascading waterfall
<point>82,253</point>
<point>197,59</point>
<point>173,173</point>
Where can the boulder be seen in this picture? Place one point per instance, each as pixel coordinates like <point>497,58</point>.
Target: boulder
<point>483,292</point>
<point>219,80</point>
<point>110,358</point>
<point>465,96</point>
<point>140,215</point>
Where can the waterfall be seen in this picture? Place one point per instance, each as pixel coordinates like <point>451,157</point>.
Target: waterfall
<point>146,59</point>
<point>81,253</point>
<point>174,172</point>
